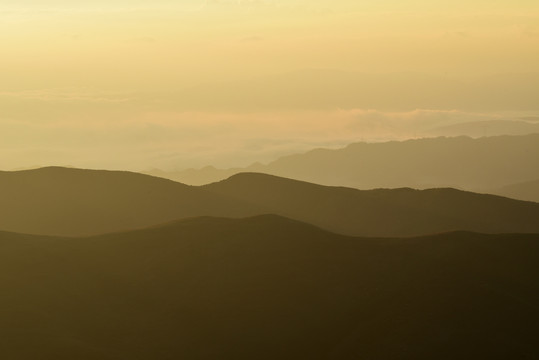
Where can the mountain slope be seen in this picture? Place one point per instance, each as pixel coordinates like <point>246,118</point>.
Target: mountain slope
<point>382,212</point>
<point>459,162</point>
<point>528,190</point>
<point>267,288</point>
<point>59,201</point>
<point>62,201</point>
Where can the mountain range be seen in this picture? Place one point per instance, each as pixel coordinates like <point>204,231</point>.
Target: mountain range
<point>267,287</point>
<point>528,191</point>
<point>481,164</point>
<point>66,201</point>
<point>75,202</point>
<point>381,212</point>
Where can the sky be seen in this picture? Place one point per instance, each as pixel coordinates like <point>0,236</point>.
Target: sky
<point>176,84</point>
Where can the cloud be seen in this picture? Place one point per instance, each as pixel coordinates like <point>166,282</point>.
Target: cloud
<point>175,140</point>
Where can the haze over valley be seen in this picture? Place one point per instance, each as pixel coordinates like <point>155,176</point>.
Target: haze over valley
<point>175,85</point>
<point>499,165</point>
<point>269,179</point>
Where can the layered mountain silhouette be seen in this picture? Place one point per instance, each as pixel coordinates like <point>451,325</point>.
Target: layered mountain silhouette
<point>381,212</point>
<point>267,288</point>
<point>461,162</point>
<point>528,190</point>
<point>62,201</point>
<point>65,201</point>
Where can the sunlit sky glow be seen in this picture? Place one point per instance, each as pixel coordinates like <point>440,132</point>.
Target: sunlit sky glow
<point>82,80</point>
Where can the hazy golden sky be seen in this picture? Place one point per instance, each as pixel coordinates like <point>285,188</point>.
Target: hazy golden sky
<point>110,69</point>
<point>138,44</point>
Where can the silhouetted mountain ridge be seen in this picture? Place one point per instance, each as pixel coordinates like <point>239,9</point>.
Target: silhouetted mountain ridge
<point>381,212</point>
<point>67,201</point>
<point>460,162</point>
<point>75,202</point>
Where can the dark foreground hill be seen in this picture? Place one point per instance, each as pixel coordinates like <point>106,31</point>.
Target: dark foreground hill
<point>267,288</point>
<point>60,201</point>
<point>382,212</point>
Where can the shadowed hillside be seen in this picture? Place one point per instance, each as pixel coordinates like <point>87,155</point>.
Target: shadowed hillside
<point>459,162</point>
<point>267,288</point>
<point>61,201</point>
<point>382,212</point>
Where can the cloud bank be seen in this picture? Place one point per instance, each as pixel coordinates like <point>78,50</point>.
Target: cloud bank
<point>177,140</point>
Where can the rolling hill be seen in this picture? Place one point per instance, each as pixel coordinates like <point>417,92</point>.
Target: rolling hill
<point>381,212</point>
<point>65,201</point>
<point>267,288</point>
<point>71,202</point>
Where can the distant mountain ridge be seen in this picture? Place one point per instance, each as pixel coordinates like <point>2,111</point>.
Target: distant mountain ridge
<point>528,191</point>
<point>266,288</point>
<point>459,162</point>
<point>74,202</point>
